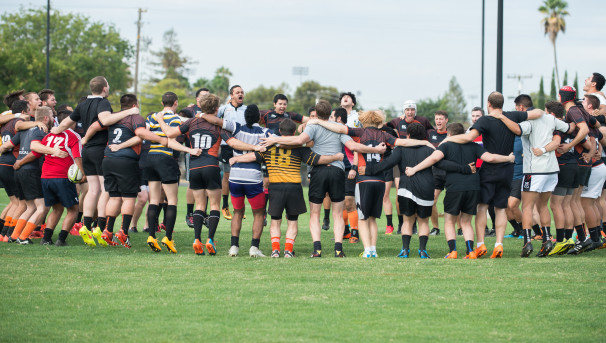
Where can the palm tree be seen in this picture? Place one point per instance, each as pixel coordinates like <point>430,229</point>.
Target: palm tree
<point>554,11</point>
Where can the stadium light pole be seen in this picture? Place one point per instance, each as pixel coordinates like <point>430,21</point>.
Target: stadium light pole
<point>482,83</point>
<point>48,44</point>
<point>499,87</point>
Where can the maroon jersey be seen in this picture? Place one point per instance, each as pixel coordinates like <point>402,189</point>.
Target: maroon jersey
<point>371,136</point>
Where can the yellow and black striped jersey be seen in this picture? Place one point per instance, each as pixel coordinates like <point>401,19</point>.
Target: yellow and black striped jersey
<point>284,165</point>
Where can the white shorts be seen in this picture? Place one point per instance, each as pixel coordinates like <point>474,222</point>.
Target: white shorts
<point>597,177</point>
<point>540,183</point>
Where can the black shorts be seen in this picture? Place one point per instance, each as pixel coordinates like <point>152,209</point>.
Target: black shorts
<point>92,160</point>
<point>286,196</point>
<point>205,178</point>
<point>29,183</point>
<point>582,176</point>
<point>567,177</point>
<point>122,177</point>
<point>60,191</point>
<point>409,207</point>
<point>439,181</point>
<point>457,202</point>
<point>7,178</point>
<point>495,184</point>
<point>162,168</point>
<point>326,179</point>
<point>369,199</point>
<point>350,186</point>
<point>516,189</point>
<point>389,175</point>
<point>266,173</point>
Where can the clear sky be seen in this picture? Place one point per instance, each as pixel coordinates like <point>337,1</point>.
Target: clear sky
<point>388,51</point>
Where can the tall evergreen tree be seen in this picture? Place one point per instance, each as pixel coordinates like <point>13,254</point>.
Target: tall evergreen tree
<point>553,92</point>
<point>576,81</point>
<point>540,102</point>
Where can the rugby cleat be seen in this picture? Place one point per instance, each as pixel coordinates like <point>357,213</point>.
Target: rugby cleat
<point>275,254</point>
<point>74,231</point>
<point>198,247</point>
<point>580,247</point>
<point>389,230</point>
<point>471,256</point>
<point>108,238</point>
<point>87,236</point>
<point>481,251</point>
<point>170,244</point>
<point>234,250</point>
<point>497,252</point>
<point>289,254</point>
<point>98,235</point>
<point>339,253</point>
<point>210,246</point>
<point>364,254</point>
<point>434,232</point>
<point>451,255</point>
<point>122,238</point>
<point>153,244</point>
<point>316,254</point>
<point>189,220</point>
<point>404,253</point>
<point>226,213</point>
<point>255,252</point>
<point>527,249</point>
<point>560,248</point>
<point>326,224</point>
<point>545,249</point>
<point>423,254</point>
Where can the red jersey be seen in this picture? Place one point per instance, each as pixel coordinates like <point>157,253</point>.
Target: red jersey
<point>55,167</point>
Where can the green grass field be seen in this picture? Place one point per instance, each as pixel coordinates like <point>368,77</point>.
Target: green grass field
<point>113,294</point>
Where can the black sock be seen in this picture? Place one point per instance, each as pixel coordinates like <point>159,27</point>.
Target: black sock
<point>213,222</point>
<point>5,230</point>
<point>389,219</point>
<point>152,219</point>
<point>225,201</point>
<point>79,217</point>
<point>560,233</point>
<point>346,232</point>
<point>198,220</point>
<point>126,219</point>
<point>255,242</point>
<point>318,246</point>
<point>10,231</point>
<point>2,224</point>
<point>327,214</point>
<point>423,242</point>
<point>400,221</point>
<point>537,230</point>
<point>338,246</point>
<point>452,245</point>
<point>101,222</point>
<point>469,246</point>
<point>235,240</point>
<point>94,224</point>
<point>594,233</point>
<point>406,242</point>
<point>87,221</point>
<point>527,235</point>
<point>568,233</point>
<point>110,221</point>
<point>604,227</point>
<point>580,232</point>
<point>48,234</point>
<point>63,235</point>
<point>546,233</point>
<point>170,217</point>
<point>516,226</point>
<point>354,233</point>
<point>190,209</point>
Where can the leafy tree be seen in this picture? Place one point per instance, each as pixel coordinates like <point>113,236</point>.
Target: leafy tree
<point>79,50</point>
<point>427,107</point>
<point>218,85</point>
<point>264,96</point>
<point>540,98</point>
<point>554,12</point>
<point>308,92</point>
<point>553,91</point>
<point>170,62</point>
<point>455,102</point>
<point>151,94</point>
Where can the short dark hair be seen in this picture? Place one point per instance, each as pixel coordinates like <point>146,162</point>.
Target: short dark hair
<point>169,99</point>
<point>45,94</point>
<point>593,101</point>
<point>341,113</point>
<point>351,95</point>
<point>496,100</point>
<point>63,107</point>
<point>311,109</point>
<point>97,84</point>
<point>478,109</point>
<point>287,127</point>
<point>10,97</point>
<point>323,109</point>
<point>127,101</point>
<point>441,113</point>
<point>231,90</point>
<point>252,115</point>
<point>599,81</point>
<point>186,112</point>
<point>202,90</point>
<point>280,97</point>
<point>556,108</point>
<point>416,131</point>
<point>19,106</point>
<point>63,114</point>
<point>454,129</point>
<point>523,100</point>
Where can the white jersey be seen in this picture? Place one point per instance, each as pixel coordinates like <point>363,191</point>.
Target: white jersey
<point>352,120</point>
<point>229,112</point>
<point>538,133</point>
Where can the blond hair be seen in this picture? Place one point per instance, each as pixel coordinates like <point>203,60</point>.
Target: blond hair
<point>42,112</point>
<point>371,118</point>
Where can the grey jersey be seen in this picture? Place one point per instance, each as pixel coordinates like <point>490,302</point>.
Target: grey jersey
<point>327,142</point>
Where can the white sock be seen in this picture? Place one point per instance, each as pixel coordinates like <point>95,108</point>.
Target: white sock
<point>479,244</point>
<point>373,248</point>
<point>497,244</point>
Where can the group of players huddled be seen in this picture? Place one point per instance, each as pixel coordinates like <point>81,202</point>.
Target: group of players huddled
<point>539,159</point>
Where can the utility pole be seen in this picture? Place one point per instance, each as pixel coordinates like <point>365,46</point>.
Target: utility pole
<point>500,48</point>
<point>139,24</point>
<point>48,44</point>
<point>482,83</point>
<point>519,78</point>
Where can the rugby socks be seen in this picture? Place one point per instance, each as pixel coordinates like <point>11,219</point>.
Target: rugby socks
<point>18,228</point>
<point>568,233</point>
<point>289,245</point>
<point>527,235</point>
<point>79,217</point>
<point>101,222</point>
<point>406,241</point>
<point>338,246</point>
<point>560,234</point>
<point>327,214</point>
<point>537,230</point>
<point>63,235</point>
<point>198,222</point>
<point>546,233</point>
<point>48,234</point>
<point>5,226</point>
<point>275,243</point>
<point>517,227</point>
<point>190,209</point>
<point>578,228</point>
<point>213,222</point>
<point>389,219</point>
<point>152,219</point>
<point>452,245</point>
<point>423,242</point>
<point>468,246</point>
<point>2,222</point>
<point>170,217</point>
<point>594,233</point>
<point>225,202</point>
<point>235,241</point>
<point>318,246</point>
<point>126,219</point>
<point>255,242</point>
<point>109,224</point>
<point>27,230</point>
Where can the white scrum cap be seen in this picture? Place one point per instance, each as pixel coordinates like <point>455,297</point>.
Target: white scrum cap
<point>410,104</point>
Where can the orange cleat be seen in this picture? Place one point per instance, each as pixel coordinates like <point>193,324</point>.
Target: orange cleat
<point>471,256</point>
<point>198,247</point>
<point>451,255</point>
<point>480,251</point>
<point>108,237</point>
<point>122,238</point>
<point>497,252</point>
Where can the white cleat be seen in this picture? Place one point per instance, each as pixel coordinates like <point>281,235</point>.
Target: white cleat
<point>233,251</point>
<point>255,252</point>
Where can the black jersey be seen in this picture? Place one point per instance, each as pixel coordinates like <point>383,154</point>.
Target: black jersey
<point>87,113</point>
<point>272,119</point>
<point>202,135</point>
<point>371,137</point>
<point>8,132</point>
<point>121,132</point>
